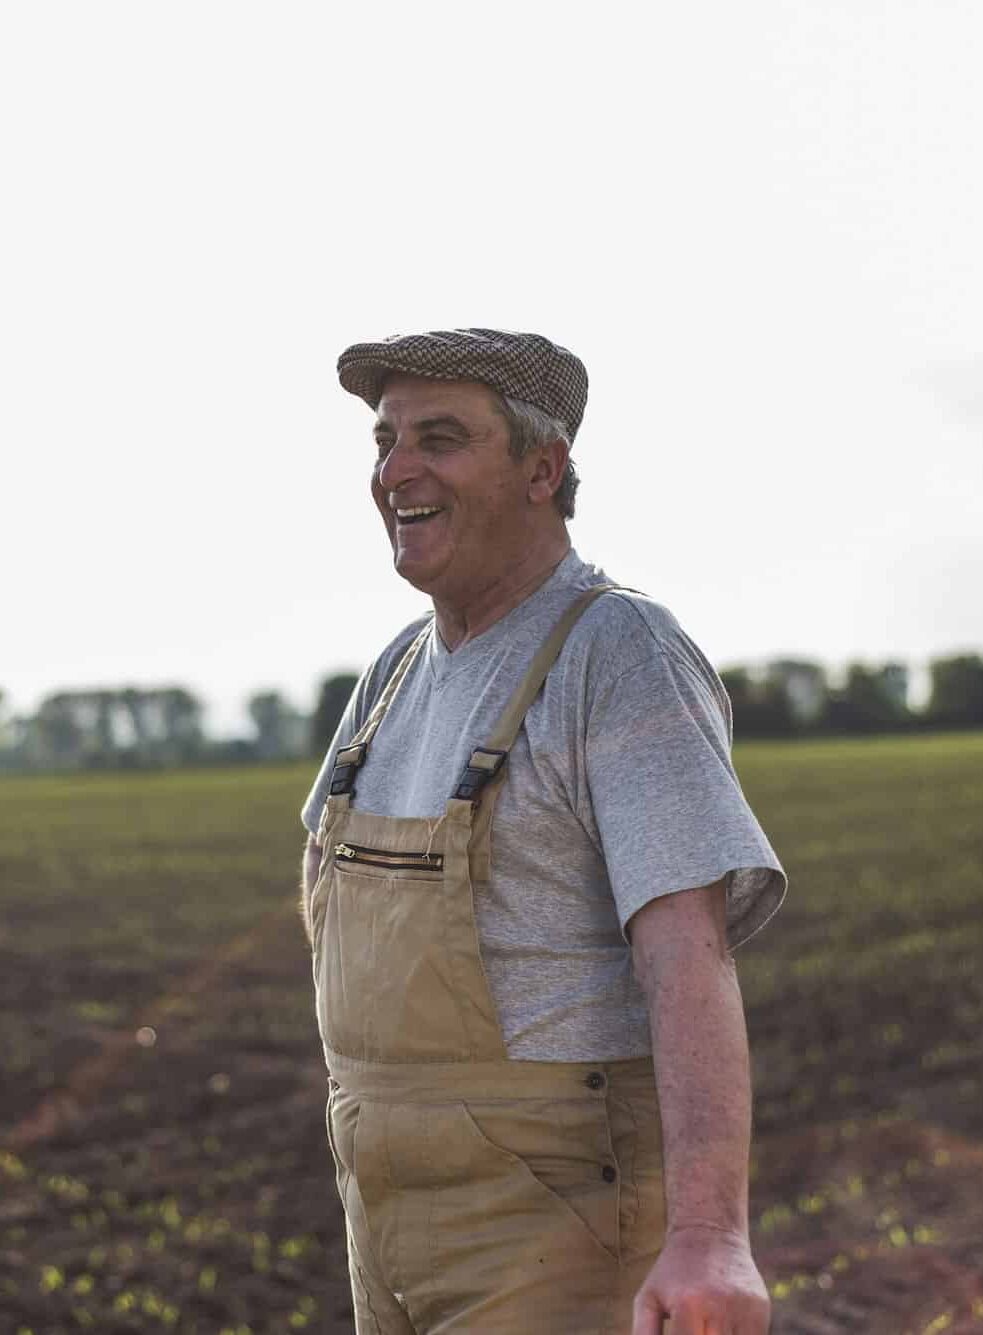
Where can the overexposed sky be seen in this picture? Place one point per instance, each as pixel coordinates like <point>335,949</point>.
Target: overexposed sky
<point>758,225</point>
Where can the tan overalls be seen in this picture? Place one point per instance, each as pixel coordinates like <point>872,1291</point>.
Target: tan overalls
<point>481,1194</point>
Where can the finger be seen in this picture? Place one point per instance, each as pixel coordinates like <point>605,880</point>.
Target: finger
<point>688,1323</point>
<point>648,1316</point>
<point>649,1323</point>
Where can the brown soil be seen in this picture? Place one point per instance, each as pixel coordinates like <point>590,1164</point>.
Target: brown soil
<point>186,1185</point>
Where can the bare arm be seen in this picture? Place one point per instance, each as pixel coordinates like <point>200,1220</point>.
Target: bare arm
<point>308,878</point>
<point>705,1277</point>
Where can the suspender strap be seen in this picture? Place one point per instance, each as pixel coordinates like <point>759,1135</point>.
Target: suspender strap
<point>371,725</point>
<point>350,758</point>
<point>346,764</point>
<point>515,711</point>
<point>486,761</point>
<point>482,767</point>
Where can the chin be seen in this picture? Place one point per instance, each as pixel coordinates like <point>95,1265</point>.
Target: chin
<point>430,577</point>
<point>420,576</point>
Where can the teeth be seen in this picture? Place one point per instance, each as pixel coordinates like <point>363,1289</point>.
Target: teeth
<point>418,510</point>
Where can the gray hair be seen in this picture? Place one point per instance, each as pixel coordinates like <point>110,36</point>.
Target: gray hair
<point>530,427</point>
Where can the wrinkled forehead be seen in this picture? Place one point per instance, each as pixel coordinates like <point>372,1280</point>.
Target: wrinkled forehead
<point>410,398</point>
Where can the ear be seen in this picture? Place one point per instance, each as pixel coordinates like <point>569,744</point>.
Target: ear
<point>549,464</point>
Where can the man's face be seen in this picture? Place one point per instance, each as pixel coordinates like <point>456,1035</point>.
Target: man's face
<point>443,446</point>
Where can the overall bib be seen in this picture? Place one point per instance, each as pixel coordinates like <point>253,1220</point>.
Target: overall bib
<point>482,1194</point>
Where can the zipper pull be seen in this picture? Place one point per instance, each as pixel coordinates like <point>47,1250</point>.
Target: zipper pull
<point>343,851</point>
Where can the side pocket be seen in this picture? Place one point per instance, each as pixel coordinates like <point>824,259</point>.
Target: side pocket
<point>319,890</point>
<point>561,1152</point>
<point>318,910</point>
<point>332,1086</point>
<point>342,1123</point>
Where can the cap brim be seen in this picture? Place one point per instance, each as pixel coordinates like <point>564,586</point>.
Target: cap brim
<point>366,376</point>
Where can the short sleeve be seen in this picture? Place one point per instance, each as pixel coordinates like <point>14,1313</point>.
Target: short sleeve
<point>669,809</point>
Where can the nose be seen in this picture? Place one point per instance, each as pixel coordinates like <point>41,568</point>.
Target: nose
<point>400,466</point>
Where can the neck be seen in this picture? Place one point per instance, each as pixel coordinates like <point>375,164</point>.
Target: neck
<point>458,623</point>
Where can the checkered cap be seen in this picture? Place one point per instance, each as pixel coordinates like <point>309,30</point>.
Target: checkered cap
<point>522,366</point>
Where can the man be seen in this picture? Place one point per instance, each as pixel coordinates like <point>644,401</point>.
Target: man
<point>528,855</point>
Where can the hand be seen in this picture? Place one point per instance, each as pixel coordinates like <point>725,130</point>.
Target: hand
<point>704,1283</point>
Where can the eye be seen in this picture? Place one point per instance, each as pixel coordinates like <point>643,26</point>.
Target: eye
<point>383,445</point>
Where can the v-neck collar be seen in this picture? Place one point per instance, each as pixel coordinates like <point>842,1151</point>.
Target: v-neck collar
<point>444,665</point>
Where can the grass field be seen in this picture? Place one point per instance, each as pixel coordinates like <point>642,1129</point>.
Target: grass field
<point>163,1163</point>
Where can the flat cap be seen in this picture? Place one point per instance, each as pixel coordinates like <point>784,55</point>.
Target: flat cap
<point>521,366</point>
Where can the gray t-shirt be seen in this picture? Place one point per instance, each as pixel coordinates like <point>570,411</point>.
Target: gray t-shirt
<point>619,788</point>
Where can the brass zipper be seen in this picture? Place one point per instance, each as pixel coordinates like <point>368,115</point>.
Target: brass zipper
<point>377,857</point>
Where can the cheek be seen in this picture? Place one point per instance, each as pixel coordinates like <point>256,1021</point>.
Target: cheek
<point>500,502</point>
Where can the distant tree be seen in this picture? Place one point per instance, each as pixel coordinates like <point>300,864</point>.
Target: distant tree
<point>773,715</point>
<point>281,732</point>
<point>957,691</point>
<point>134,701</point>
<point>60,732</point>
<point>269,711</point>
<point>101,746</point>
<point>804,687</point>
<point>871,700</point>
<point>331,701</point>
<point>760,708</point>
<point>180,713</point>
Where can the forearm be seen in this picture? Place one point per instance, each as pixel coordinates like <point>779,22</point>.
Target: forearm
<point>702,1074</point>
<point>705,1277</point>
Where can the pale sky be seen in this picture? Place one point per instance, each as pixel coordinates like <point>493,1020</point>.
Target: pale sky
<point>758,225</point>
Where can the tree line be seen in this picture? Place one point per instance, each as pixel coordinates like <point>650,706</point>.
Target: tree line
<point>164,726</point>
<point>158,727</point>
<point>795,698</point>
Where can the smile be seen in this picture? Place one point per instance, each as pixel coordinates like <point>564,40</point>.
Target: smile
<point>417,513</point>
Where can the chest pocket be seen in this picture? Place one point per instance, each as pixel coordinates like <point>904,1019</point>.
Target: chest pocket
<point>356,857</point>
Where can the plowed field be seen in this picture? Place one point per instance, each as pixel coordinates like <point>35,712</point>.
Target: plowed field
<point>163,1164</point>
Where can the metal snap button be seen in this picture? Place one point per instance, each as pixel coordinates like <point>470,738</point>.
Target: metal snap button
<point>609,1173</point>
<point>595,1080</point>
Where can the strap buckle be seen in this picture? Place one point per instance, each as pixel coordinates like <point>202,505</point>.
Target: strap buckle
<point>347,761</point>
<point>479,771</point>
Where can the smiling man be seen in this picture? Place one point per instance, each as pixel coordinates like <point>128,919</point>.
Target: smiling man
<point>528,860</point>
